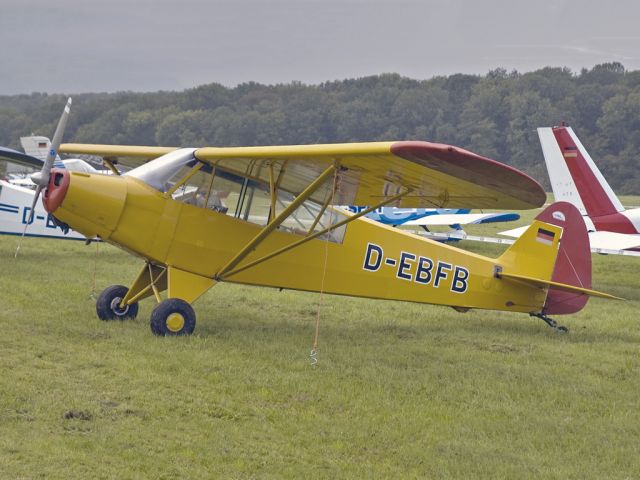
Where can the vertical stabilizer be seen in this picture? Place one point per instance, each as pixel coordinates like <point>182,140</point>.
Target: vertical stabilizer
<point>574,176</point>
<point>573,264</point>
<point>36,146</point>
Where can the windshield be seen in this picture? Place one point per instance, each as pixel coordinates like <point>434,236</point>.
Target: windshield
<point>159,172</point>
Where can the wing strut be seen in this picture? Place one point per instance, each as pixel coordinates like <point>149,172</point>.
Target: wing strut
<point>286,248</point>
<point>272,193</point>
<point>249,247</point>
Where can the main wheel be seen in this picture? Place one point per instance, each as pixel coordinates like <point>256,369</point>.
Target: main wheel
<point>173,317</point>
<point>108,304</point>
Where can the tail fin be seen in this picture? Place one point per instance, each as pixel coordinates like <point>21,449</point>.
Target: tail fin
<point>574,176</point>
<point>554,253</point>
<point>36,146</point>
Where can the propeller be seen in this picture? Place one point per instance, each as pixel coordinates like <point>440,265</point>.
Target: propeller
<point>41,178</point>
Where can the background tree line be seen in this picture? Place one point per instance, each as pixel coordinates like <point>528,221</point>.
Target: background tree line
<point>494,115</point>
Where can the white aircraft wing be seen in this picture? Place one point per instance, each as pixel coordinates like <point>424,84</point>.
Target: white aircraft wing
<point>597,246</point>
<point>463,219</point>
<point>613,240</point>
<point>514,232</point>
<point>600,241</point>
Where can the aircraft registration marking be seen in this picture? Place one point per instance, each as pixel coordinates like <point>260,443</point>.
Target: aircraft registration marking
<point>418,269</point>
<point>5,207</point>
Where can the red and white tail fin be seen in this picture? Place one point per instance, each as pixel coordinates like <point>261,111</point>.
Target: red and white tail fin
<point>574,176</point>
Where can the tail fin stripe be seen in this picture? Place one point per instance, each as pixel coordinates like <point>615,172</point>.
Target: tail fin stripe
<point>576,178</point>
<point>591,186</point>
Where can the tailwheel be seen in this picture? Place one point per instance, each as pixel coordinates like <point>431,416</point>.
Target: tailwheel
<point>173,317</point>
<point>108,304</point>
<point>551,322</point>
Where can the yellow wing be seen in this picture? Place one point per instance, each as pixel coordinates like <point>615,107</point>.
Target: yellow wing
<point>130,155</point>
<point>436,175</point>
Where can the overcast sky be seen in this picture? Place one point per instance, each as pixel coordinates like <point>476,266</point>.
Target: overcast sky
<point>77,46</point>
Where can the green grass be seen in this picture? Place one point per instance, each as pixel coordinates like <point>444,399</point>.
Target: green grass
<point>400,390</point>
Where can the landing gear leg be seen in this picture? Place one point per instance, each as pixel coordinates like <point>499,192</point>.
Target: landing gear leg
<point>551,322</point>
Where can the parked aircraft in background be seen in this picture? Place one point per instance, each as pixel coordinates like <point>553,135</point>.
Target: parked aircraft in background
<point>17,191</point>
<point>15,212</point>
<point>429,217</point>
<point>576,179</point>
<point>38,147</point>
<point>16,198</point>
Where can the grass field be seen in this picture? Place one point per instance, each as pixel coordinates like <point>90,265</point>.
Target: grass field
<point>400,390</point>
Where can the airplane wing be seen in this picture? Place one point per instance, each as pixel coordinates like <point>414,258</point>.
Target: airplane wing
<point>514,232</point>
<point>14,156</point>
<point>599,241</point>
<point>463,219</point>
<point>610,249</point>
<point>613,241</point>
<point>434,174</point>
<point>128,155</point>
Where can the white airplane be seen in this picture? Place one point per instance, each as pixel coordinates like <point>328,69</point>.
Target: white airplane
<point>576,179</point>
<point>38,147</point>
<point>15,209</point>
<point>17,192</point>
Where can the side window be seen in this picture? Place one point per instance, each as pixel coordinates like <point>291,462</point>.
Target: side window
<point>195,189</point>
<point>256,203</point>
<point>225,193</point>
<point>311,218</point>
<point>202,186</point>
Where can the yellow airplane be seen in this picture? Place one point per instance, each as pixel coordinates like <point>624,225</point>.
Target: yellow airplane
<point>264,216</point>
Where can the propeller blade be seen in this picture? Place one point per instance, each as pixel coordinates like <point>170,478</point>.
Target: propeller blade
<point>42,178</point>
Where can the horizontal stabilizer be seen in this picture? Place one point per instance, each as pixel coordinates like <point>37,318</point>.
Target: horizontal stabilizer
<point>561,286</point>
<point>463,219</point>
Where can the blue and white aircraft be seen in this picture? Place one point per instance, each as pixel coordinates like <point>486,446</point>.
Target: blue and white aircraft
<point>430,217</point>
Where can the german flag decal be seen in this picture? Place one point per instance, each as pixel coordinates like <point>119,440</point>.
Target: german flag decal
<point>545,236</point>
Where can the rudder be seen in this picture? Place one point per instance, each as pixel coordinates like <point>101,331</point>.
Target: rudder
<point>573,263</point>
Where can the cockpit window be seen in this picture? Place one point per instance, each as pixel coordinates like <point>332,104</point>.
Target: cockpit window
<point>190,181</point>
<point>162,172</point>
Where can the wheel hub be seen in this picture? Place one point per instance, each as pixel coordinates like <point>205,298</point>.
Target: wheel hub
<point>175,322</point>
<point>115,307</point>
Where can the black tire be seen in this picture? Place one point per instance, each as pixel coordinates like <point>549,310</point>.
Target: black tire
<point>173,317</point>
<point>108,301</point>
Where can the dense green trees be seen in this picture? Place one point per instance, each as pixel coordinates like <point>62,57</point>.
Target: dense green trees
<point>495,115</point>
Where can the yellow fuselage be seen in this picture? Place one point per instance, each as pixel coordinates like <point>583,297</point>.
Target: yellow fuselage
<point>373,260</point>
